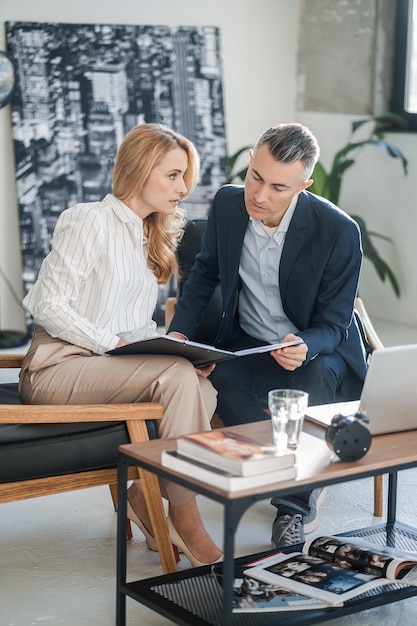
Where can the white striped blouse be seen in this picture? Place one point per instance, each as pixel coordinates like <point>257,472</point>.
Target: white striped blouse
<point>94,286</point>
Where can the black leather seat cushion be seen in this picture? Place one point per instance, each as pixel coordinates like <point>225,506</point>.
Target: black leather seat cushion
<point>30,451</point>
<point>9,394</point>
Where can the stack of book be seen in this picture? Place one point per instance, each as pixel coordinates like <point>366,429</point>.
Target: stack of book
<point>229,461</point>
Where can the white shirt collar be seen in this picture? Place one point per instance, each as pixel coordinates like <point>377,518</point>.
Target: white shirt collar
<point>284,224</point>
<point>123,212</point>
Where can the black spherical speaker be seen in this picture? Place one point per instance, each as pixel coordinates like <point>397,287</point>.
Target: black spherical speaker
<point>348,436</point>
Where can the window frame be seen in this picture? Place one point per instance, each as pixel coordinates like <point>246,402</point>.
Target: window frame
<point>402,43</point>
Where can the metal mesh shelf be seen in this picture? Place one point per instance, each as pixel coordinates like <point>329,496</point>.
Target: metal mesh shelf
<point>195,597</point>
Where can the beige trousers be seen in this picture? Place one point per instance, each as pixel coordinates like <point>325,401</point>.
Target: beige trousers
<point>56,372</point>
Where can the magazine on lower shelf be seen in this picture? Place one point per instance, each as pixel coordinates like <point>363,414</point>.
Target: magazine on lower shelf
<point>219,478</point>
<point>252,596</point>
<point>200,354</point>
<point>337,569</point>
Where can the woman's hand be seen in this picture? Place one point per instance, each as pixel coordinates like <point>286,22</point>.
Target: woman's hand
<point>205,371</point>
<point>201,371</point>
<point>177,335</point>
<point>292,357</point>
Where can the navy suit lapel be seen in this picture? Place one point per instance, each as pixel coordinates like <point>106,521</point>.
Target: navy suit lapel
<point>236,227</point>
<point>230,248</point>
<point>294,240</point>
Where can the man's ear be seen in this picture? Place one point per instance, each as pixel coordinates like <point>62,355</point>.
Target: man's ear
<point>305,185</point>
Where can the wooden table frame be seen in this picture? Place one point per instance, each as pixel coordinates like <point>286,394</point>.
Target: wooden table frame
<point>316,467</point>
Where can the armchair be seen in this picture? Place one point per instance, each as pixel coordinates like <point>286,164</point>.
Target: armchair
<point>47,449</point>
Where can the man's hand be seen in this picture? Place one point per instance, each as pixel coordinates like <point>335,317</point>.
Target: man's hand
<point>293,357</point>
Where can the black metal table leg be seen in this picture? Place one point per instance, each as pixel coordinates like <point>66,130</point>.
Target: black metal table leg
<point>392,497</point>
<point>121,568</point>
<point>234,510</point>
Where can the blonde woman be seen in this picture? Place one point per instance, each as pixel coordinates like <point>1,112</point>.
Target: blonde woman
<point>97,290</point>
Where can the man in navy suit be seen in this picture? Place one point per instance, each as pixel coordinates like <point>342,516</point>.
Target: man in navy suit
<point>288,264</point>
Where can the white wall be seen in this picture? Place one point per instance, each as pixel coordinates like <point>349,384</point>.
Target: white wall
<point>259,70</point>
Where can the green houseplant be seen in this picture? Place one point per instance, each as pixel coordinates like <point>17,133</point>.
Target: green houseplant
<point>327,183</point>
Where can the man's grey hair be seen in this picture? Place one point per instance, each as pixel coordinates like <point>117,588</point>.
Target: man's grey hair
<point>291,142</point>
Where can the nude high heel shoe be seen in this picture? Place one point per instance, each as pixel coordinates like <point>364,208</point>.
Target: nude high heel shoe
<point>150,539</point>
<point>182,546</point>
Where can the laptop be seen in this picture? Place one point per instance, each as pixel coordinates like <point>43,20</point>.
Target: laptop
<point>389,394</point>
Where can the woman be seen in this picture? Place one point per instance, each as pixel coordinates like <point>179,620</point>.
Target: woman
<point>97,290</point>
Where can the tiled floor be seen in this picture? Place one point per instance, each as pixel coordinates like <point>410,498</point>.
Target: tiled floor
<point>57,554</point>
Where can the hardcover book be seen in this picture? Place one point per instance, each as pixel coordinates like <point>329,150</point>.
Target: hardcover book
<point>199,354</point>
<point>336,569</point>
<point>223,480</point>
<point>232,452</point>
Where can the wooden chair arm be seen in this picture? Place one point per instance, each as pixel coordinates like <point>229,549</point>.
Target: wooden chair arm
<point>11,360</point>
<point>371,334</point>
<point>68,413</point>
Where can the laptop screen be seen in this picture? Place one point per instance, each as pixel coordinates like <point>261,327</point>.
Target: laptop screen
<point>389,394</point>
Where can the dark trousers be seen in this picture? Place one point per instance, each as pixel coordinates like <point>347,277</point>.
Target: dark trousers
<point>243,384</point>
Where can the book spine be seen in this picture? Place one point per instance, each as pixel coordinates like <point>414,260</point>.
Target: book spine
<point>223,480</point>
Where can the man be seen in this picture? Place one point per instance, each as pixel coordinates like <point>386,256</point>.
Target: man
<point>288,263</point>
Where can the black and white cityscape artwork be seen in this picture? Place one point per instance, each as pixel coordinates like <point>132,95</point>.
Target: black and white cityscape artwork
<point>80,88</point>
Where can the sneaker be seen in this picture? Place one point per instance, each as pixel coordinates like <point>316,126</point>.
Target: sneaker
<point>287,530</point>
<point>311,520</point>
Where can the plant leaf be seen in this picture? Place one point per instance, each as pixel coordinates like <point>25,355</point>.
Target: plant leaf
<point>371,253</point>
<point>390,121</point>
<point>234,157</point>
<point>392,150</point>
<point>319,177</point>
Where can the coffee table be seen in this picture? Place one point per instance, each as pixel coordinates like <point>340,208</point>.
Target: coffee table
<point>193,596</point>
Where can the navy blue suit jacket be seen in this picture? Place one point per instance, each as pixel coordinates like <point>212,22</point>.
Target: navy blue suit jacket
<point>318,278</point>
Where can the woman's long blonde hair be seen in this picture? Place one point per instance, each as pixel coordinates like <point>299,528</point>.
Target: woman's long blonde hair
<point>141,150</point>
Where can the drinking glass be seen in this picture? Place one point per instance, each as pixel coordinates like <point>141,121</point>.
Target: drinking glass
<point>287,408</point>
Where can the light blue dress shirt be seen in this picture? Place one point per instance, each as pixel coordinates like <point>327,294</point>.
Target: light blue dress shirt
<point>260,307</point>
